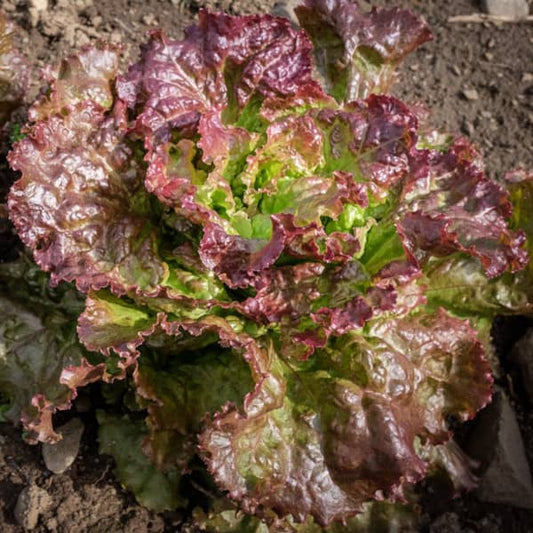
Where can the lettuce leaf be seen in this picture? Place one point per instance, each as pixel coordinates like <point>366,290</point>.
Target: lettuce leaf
<point>84,76</point>
<point>121,438</point>
<point>451,205</point>
<point>357,53</point>
<point>14,71</point>
<point>37,342</point>
<point>347,421</point>
<point>78,230</point>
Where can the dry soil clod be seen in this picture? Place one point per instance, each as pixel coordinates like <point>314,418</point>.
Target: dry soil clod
<point>31,503</point>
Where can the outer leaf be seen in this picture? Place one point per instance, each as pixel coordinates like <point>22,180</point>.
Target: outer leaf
<point>220,65</point>
<point>357,53</point>
<point>460,285</point>
<point>448,351</point>
<point>109,322</point>
<point>226,521</point>
<point>324,439</point>
<point>173,82</point>
<point>180,389</point>
<point>79,204</point>
<point>38,346</point>
<point>122,438</point>
<point>376,516</point>
<point>450,205</point>
<point>87,75</point>
<point>25,283</point>
<point>520,186</point>
<point>14,72</point>
<point>451,460</point>
<point>32,357</point>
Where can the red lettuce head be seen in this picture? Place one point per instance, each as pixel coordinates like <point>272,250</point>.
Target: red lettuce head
<point>222,209</point>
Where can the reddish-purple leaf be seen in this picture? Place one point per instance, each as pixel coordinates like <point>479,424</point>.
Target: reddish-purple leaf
<point>448,204</point>
<point>355,52</point>
<point>87,75</point>
<point>238,261</point>
<point>80,204</point>
<point>14,71</point>
<point>219,65</point>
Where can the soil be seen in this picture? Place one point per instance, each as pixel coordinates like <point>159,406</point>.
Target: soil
<point>477,80</point>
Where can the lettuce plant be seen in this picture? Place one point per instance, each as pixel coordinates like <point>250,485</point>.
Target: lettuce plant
<point>295,278</point>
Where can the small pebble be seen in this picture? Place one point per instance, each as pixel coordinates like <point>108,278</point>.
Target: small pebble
<point>81,38</point>
<point>470,94</point>
<point>116,37</point>
<point>35,8</point>
<point>488,56</point>
<point>38,5</point>
<point>456,70</point>
<point>149,20</point>
<point>514,9</point>
<point>527,77</point>
<point>468,128</point>
<point>59,456</point>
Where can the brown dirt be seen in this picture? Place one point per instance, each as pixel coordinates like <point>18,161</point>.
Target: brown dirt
<point>86,498</point>
<point>495,60</point>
